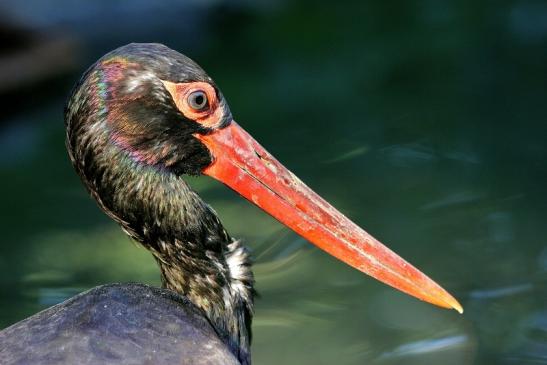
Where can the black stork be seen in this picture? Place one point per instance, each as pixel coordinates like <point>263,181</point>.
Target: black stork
<point>139,119</point>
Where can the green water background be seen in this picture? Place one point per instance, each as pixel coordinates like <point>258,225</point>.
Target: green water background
<point>423,122</point>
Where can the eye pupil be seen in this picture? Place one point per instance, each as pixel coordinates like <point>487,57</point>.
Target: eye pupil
<point>198,100</point>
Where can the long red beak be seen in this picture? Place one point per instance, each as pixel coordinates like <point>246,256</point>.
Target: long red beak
<point>246,167</point>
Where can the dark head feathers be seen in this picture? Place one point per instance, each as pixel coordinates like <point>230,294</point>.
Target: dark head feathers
<point>123,94</point>
<point>166,63</point>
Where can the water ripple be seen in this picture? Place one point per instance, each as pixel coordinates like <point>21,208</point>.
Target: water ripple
<point>426,346</point>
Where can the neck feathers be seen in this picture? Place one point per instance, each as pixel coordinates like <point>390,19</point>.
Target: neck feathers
<point>222,286</point>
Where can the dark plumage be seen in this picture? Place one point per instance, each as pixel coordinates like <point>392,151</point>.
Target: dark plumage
<point>115,325</point>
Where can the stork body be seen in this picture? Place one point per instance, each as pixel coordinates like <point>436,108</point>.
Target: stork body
<point>117,324</point>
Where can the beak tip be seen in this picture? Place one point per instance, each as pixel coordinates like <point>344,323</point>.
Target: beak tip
<point>457,306</point>
<point>443,299</point>
<point>452,303</point>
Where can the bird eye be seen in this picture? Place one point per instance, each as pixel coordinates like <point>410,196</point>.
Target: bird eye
<point>198,100</point>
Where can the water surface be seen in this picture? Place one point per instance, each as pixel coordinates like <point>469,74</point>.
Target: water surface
<point>426,124</point>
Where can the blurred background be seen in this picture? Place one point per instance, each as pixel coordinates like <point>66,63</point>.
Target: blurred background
<point>426,123</point>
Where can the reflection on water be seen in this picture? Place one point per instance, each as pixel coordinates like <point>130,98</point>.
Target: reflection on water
<point>425,124</point>
<point>501,292</point>
<point>460,197</point>
<point>51,296</point>
<point>348,155</point>
<point>409,155</point>
<point>457,343</point>
<point>530,341</point>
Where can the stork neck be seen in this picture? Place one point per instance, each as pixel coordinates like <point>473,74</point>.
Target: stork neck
<point>197,257</point>
<point>221,288</point>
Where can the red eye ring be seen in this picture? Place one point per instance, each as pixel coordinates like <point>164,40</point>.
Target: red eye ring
<point>205,110</point>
